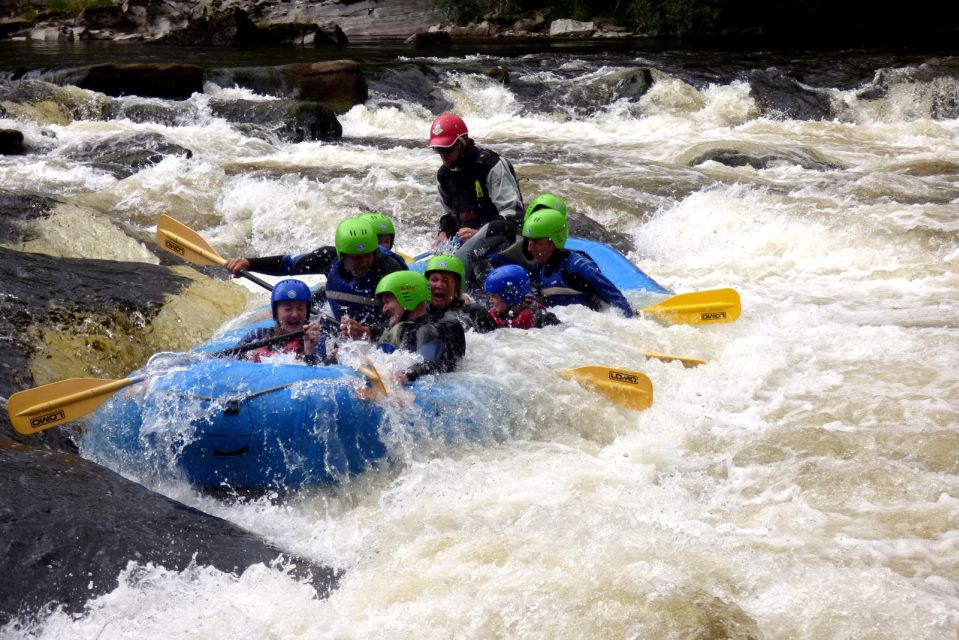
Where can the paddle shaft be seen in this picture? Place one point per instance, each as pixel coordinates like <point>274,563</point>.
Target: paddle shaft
<point>256,344</point>
<point>175,244</point>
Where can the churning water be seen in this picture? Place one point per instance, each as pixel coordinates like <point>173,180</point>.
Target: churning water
<point>802,484</point>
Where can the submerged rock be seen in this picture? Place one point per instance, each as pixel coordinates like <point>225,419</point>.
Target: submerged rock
<point>16,210</point>
<point>124,155</point>
<point>11,142</point>
<point>781,96</point>
<point>290,120</point>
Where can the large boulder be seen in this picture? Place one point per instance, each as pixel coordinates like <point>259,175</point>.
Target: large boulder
<point>339,84</point>
<point>157,80</point>
<point>571,29</point>
<point>230,28</point>
<point>69,527</point>
<point>430,39</point>
<point>11,142</point>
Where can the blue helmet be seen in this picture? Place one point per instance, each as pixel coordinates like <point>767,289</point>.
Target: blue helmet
<point>511,282</point>
<point>291,291</point>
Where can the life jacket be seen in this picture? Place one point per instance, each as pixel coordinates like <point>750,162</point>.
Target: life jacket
<point>533,315</point>
<point>395,256</point>
<point>516,253</point>
<point>294,346</point>
<point>572,277</point>
<point>440,343</point>
<point>466,187</point>
<point>356,297</point>
<point>554,286</point>
<point>470,316</point>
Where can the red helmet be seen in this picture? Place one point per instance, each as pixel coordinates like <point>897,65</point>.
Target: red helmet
<point>446,130</point>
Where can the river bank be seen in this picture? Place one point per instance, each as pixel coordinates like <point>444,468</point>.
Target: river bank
<point>423,24</point>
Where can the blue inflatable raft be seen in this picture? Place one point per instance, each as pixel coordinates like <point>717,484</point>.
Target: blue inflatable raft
<point>233,423</point>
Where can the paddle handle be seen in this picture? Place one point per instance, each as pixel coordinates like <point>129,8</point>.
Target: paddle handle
<point>256,344</point>
<point>252,278</point>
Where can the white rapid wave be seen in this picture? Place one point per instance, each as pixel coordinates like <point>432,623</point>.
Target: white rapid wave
<point>802,484</point>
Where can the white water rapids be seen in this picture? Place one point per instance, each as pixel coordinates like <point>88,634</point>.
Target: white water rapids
<point>802,484</point>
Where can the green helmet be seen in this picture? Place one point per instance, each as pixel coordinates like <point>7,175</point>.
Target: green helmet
<point>547,223</point>
<point>450,264</point>
<point>545,201</point>
<point>355,236</point>
<point>381,223</point>
<point>410,288</point>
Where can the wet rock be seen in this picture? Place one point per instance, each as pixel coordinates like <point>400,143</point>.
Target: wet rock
<point>107,17</point>
<point>124,155</point>
<point>48,103</point>
<point>150,111</point>
<point>781,96</point>
<point>500,74</point>
<point>765,158</point>
<point>366,18</point>
<point>330,34</point>
<point>430,39</point>
<point>290,120</point>
<point>299,33</point>
<point>583,226</point>
<point>230,28</point>
<point>10,26</point>
<point>415,84</point>
<point>339,84</point>
<point>633,84</point>
<point>534,21</point>
<point>158,80</point>
<point>11,142</point>
<point>571,29</point>
<point>15,210</point>
<point>68,527</point>
<point>39,292</point>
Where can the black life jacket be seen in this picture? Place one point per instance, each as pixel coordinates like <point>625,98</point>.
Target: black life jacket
<point>466,186</point>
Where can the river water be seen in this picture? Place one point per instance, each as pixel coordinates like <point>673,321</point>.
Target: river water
<point>802,484</point>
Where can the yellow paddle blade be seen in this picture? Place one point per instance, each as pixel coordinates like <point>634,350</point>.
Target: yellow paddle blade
<point>701,307</point>
<point>368,369</point>
<point>631,389</point>
<point>179,239</point>
<point>51,405</point>
<point>665,357</point>
<point>406,258</point>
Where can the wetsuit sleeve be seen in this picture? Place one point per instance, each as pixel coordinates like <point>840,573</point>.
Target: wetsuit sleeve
<point>315,262</point>
<point>503,190</point>
<point>483,322</point>
<point>440,344</point>
<point>430,346</point>
<point>585,275</point>
<point>255,334</point>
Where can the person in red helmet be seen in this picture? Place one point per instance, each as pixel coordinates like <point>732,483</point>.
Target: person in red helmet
<point>478,190</point>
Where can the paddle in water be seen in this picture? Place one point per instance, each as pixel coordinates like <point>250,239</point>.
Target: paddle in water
<point>57,403</point>
<point>630,389</point>
<point>715,306</point>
